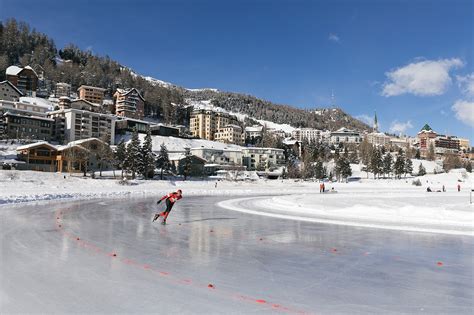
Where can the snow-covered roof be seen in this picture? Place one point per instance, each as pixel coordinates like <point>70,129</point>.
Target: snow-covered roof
<point>233,126</point>
<point>261,148</point>
<point>289,141</point>
<point>13,86</point>
<point>91,87</point>
<point>126,91</point>
<point>36,144</point>
<point>8,113</point>
<point>29,68</point>
<point>42,102</point>
<point>13,70</point>
<point>254,129</point>
<point>69,146</point>
<point>81,141</point>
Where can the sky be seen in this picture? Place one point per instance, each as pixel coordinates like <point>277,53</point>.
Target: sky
<point>410,61</point>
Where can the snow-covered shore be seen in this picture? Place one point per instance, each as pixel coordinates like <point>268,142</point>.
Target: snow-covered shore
<point>31,186</point>
<point>387,203</point>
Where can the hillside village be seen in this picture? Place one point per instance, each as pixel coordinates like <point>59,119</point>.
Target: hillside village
<point>56,126</point>
<point>50,130</point>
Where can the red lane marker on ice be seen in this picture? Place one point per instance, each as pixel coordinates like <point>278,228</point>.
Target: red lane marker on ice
<point>163,273</point>
<point>439,263</point>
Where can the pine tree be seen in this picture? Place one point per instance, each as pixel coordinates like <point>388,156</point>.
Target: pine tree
<point>387,163</point>
<point>147,159</point>
<point>186,163</point>
<point>418,154</point>
<point>408,166</point>
<point>120,156</point>
<point>468,166</point>
<point>163,162</point>
<point>132,160</point>
<point>319,172</point>
<point>346,170</point>
<point>376,163</point>
<point>421,170</point>
<point>399,166</point>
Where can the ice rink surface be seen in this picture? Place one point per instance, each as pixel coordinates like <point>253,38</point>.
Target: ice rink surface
<point>106,256</point>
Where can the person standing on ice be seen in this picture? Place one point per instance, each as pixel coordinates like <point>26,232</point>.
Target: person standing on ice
<point>170,200</point>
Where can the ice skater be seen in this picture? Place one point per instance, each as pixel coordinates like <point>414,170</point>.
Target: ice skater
<point>170,200</point>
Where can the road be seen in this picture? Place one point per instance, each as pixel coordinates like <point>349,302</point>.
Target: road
<point>106,256</point>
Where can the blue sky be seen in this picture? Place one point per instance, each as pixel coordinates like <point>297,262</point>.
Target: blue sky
<point>411,61</point>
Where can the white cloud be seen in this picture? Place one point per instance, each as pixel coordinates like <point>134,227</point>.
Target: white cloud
<point>422,78</point>
<point>464,111</point>
<point>334,38</point>
<point>365,118</point>
<point>466,84</point>
<point>400,127</point>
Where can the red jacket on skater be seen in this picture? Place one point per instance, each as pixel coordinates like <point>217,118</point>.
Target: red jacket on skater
<point>170,199</point>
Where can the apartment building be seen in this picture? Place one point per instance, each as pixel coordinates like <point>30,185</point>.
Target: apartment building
<point>402,142</point>
<point>74,124</point>
<point>205,123</point>
<point>35,108</point>
<point>425,137</point>
<point>310,135</point>
<point>80,104</point>
<point>444,144</point>
<point>129,103</point>
<point>62,89</point>
<point>92,94</point>
<point>24,79</point>
<point>262,158</point>
<point>230,134</point>
<point>378,138</point>
<point>9,92</point>
<point>253,132</point>
<point>344,135</point>
<point>464,144</point>
<point>20,126</point>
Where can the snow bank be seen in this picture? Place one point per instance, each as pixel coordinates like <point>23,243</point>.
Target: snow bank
<point>31,186</point>
<point>386,204</point>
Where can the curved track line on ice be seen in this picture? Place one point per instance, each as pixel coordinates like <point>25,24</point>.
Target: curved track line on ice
<point>277,207</point>
<point>162,274</point>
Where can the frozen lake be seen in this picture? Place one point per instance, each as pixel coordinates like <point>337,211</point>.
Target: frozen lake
<point>106,256</point>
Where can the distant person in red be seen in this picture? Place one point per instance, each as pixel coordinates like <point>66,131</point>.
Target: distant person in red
<point>170,199</point>
<point>459,187</point>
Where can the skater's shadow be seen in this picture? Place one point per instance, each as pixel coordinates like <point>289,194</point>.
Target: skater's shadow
<point>209,219</point>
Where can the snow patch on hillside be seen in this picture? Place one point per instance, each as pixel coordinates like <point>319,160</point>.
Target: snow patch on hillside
<point>207,105</point>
